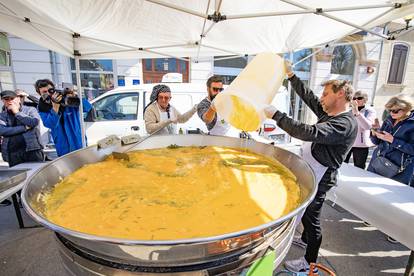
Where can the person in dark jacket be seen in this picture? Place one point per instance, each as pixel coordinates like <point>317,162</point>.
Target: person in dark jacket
<point>326,145</point>
<point>63,121</point>
<point>395,138</point>
<point>19,126</point>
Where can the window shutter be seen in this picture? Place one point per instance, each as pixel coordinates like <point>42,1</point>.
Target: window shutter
<point>398,61</point>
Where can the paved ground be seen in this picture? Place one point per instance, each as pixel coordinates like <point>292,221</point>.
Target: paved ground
<point>348,247</point>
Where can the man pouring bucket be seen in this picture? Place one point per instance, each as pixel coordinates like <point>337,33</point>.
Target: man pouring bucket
<point>326,144</point>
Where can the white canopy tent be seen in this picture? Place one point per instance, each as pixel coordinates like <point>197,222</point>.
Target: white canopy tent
<point>197,28</point>
<point>93,29</point>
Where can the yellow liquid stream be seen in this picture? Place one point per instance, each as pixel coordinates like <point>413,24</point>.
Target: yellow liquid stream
<point>244,116</point>
<point>174,193</point>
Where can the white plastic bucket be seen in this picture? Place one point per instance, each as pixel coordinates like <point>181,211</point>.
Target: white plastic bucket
<point>243,102</point>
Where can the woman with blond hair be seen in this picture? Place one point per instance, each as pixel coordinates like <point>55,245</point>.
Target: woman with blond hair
<point>394,155</point>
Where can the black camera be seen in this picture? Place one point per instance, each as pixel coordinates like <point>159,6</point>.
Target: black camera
<point>68,98</point>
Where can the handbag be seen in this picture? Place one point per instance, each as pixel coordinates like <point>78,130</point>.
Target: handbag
<point>383,166</point>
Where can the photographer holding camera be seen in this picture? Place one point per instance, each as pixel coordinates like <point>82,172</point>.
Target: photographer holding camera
<point>59,111</point>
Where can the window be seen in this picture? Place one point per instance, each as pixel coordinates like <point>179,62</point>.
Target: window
<point>305,65</point>
<point>4,50</point>
<point>6,77</point>
<point>148,64</point>
<point>227,79</point>
<point>343,61</point>
<point>93,64</point>
<point>398,63</point>
<point>96,76</point>
<point>94,84</point>
<point>239,62</point>
<point>297,106</point>
<point>118,107</point>
<point>155,69</point>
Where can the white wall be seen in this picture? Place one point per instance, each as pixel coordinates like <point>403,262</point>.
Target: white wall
<point>31,62</point>
<point>201,71</point>
<point>130,68</point>
<point>385,91</point>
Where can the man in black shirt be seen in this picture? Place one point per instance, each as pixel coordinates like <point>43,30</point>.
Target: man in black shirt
<point>326,145</point>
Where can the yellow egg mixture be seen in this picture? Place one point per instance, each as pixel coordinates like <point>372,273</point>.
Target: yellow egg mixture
<point>244,116</point>
<point>174,193</point>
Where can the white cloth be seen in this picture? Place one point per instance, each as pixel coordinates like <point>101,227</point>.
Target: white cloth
<point>101,20</point>
<point>223,128</point>
<point>386,204</point>
<point>171,128</point>
<point>318,169</point>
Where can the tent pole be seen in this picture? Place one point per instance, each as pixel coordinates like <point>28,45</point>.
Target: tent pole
<point>355,26</point>
<point>321,12</point>
<point>332,45</point>
<point>165,55</point>
<point>305,11</point>
<point>378,67</point>
<point>355,42</point>
<point>311,55</point>
<point>403,33</point>
<point>131,49</point>
<point>223,50</point>
<point>202,32</point>
<point>230,57</point>
<point>79,86</point>
<point>296,110</point>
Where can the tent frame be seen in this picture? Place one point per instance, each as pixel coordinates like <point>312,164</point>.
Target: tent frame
<point>214,18</point>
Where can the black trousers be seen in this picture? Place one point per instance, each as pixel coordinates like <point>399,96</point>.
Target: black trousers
<point>360,156</point>
<point>312,232</point>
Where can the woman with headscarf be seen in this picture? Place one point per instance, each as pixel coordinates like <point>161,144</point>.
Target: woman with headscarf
<point>160,115</point>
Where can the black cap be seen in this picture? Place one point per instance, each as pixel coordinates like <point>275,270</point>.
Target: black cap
<point>8,93</point>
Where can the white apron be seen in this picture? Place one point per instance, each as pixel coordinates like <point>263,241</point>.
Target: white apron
<point>318,169</point>
<point>171,128</point>
<point>222,128</point>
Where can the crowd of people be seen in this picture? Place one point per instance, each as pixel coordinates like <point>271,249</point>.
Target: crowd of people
<point>346,127</point>
<point>20,121</point>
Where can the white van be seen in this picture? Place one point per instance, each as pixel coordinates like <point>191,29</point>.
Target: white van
<point>121,110</point>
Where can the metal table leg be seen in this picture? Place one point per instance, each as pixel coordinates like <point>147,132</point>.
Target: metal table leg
<point>410,265</point>
<point>17,210</point>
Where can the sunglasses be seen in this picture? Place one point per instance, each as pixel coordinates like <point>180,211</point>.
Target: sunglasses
<point>358,98</point>
<point>165,98</point>
<point>395,111</point>
<point>217,89</point>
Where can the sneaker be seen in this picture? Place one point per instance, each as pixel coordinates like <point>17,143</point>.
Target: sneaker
<point>5,202</point>
<point>297,240</point>
<point>391,240</point>
<point>299,265</point>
